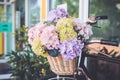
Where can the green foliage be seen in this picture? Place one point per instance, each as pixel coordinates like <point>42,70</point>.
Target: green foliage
<point>21,38</point>
<point>25,65</point>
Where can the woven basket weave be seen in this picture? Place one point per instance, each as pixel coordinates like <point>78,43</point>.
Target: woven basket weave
<point>60,66</point>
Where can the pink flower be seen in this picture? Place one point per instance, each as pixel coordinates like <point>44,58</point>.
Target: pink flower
<point>82,28</point>
<point>49,37</point>
<point>31,35</point>
<point>47,34</point>
<point>86,31</point>
<point>35,32</point>
<point>77,24</point>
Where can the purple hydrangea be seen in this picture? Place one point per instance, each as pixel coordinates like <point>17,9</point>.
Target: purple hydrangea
<point>71,49</point>
<point>55,15</point>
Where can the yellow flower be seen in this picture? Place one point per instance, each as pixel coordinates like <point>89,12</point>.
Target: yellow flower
<point>64,22</point>
<point>43,71</point>
<point>67,34</point>
<point>65,29</point>
<point>38,48</point>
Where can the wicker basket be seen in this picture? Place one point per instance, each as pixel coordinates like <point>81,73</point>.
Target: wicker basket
<point>60,66</point>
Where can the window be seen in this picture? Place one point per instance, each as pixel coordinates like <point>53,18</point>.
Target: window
<point>34,12</point>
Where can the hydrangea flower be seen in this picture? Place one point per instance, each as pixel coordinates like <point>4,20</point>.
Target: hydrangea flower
<point>35,32</point>
<point>43,35</point>
<point>71,48</point>
<point>82,28</point>
<point>65,29</point>
<point>38,48</point>
<point>56,14</point>
<point>49,37</point>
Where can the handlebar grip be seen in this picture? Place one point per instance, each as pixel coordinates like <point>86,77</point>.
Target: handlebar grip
<point>113,43</point>
<point>101,17</point>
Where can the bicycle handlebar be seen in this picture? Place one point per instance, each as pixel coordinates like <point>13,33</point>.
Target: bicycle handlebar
<point>107,42</point>
<point>93,20</point>
<point>101,17</point>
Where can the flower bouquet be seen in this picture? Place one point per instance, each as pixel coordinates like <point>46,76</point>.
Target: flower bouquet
<point>61,39</point>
